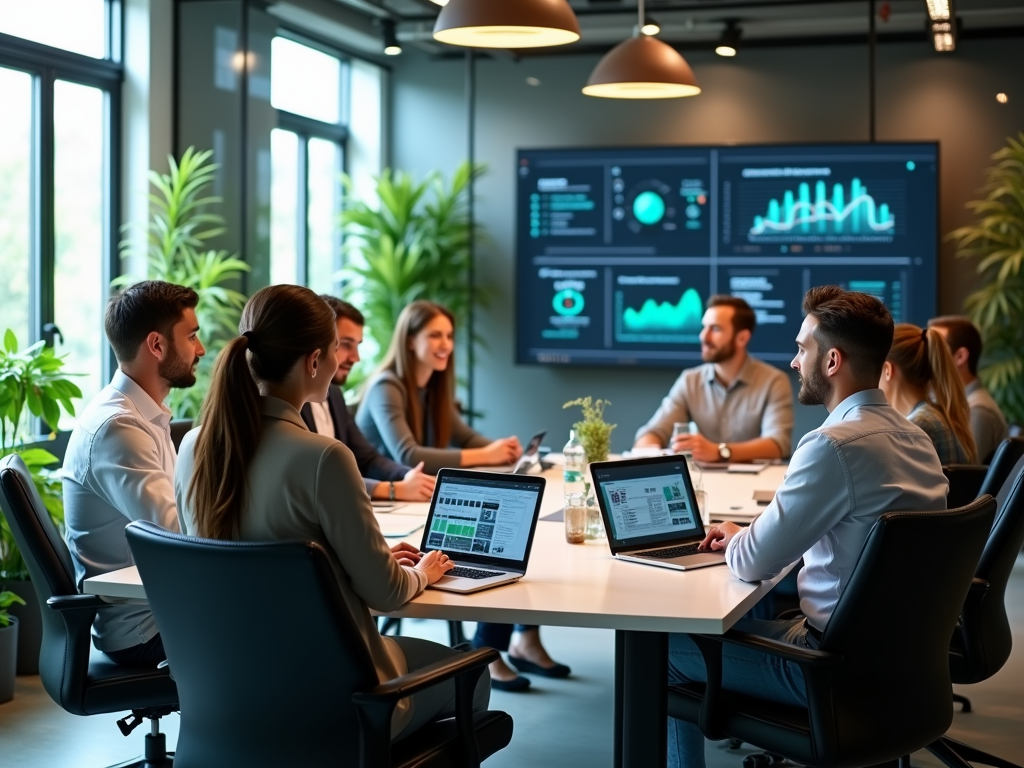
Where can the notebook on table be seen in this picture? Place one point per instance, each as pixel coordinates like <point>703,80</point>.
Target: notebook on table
<point>484,522</point>
<point>650,512</point>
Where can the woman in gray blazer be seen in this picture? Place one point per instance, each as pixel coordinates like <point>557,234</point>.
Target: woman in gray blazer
<point>254,472</point>
<point>408,411</point>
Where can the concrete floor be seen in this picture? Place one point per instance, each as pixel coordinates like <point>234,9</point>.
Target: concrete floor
<point>557,723</point>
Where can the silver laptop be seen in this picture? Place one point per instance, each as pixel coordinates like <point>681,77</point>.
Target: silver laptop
<point>529,458</point>
<point>650,512</point>
<point>483,521</point>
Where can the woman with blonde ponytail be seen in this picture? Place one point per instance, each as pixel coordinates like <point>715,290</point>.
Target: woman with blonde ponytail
<point>920,381</point>
<point>252,471</point>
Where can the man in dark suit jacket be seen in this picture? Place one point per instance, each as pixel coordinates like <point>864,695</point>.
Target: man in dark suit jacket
<point>384,478</point>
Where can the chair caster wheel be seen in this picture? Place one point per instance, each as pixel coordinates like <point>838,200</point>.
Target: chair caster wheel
<point>759,760</point>
<point>735,743</point>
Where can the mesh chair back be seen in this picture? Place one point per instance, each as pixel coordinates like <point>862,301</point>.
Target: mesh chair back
<point>892,625</point>
<point>262,646</point>
<point>64,656</point>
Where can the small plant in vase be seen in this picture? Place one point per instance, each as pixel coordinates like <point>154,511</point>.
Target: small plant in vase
<point>595,434</point>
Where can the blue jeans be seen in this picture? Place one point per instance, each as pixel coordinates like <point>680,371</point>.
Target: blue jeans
<point>744,670</point>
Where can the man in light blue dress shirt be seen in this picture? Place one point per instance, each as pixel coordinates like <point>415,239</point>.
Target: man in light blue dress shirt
<point>120,460</point>
<point>865,460</point>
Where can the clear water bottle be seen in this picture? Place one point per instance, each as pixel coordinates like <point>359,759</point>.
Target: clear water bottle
<point>575,458</point>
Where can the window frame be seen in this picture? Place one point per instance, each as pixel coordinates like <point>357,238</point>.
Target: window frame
<point>306,128</point>
<point>46,65</point>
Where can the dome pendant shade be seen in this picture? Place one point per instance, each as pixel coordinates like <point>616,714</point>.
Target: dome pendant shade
<point>507,23</point>
<point>642,68</point>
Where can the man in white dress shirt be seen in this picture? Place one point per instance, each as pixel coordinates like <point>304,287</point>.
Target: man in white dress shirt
<point>120,460</point>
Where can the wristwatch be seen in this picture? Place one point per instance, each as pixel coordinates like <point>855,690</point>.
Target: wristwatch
<point>724,452</point>
<point>391,490</point>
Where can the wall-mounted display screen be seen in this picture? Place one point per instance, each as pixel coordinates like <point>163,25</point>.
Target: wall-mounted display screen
<point>618,249</point>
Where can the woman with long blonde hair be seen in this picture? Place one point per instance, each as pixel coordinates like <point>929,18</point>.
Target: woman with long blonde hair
<point>252,471</point>
<point>920,381</point>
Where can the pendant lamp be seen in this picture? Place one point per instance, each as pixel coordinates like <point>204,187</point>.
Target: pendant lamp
<point>642,67</point>
<point>507,23</point>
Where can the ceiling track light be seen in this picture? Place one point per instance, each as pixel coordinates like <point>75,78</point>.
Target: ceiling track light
<point>507,23</point>
<point>729,43</point>
<point>943,33</point>
<point>642,67</point>
<point>391,45</point>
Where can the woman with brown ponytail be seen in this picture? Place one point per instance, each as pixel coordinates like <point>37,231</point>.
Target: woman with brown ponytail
<point>920,381</point>
<point>253,472</point>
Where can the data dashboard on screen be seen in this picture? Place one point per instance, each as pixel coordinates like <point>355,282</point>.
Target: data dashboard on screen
<point>619,249</point>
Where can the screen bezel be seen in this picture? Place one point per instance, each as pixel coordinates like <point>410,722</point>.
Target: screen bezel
<point>495,479</point>
<point>627,362</point>
<point>619,546</point>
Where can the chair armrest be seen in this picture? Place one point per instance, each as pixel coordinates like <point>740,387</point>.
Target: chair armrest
<point>710,646</point>
<point>76,602</point>
<point>425,677</point>
<point>808,657</point>
<point>376,706</point>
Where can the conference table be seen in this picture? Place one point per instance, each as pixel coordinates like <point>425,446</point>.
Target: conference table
<point>583,586</point>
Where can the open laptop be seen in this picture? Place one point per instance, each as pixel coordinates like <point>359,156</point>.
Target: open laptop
<point>483,521</point>
<point>650,512</point>
<point>526,461</point>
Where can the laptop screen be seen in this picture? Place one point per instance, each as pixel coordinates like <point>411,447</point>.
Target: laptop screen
<point>647,501</point>
<point>483,517</point>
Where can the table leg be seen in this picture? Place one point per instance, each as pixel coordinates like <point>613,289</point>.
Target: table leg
<point>641,698</point>
<point>620,662</point>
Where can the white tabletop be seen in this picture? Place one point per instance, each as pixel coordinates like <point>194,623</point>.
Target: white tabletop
<point>577,585</point>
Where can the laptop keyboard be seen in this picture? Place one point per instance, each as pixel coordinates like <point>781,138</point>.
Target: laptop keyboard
<point>667,554</point>
<point>472,573</point>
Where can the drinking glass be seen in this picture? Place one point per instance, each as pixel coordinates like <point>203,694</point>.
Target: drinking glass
<point>575,514</point>
<point>702,506</point>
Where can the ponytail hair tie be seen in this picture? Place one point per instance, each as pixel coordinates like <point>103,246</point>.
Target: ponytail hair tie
<point>251,338</point>
<point>924,334</point>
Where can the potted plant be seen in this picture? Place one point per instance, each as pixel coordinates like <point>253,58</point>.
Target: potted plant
<point>32,383</point>
<point>595,434</point>
<point>8,645</point>
<point>996,241</point>
<point>181,223</point>
<point>411,243</point>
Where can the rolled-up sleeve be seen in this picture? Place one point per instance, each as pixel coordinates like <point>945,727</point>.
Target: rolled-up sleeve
<point>777,419</point>
<point>816,494</point>
<point>355,536</point>
<point>673,408</point>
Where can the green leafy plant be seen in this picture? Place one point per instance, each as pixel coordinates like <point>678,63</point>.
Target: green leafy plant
<point>996,242</point>
<point>180,228</point>
<point>411,242</point>
<point>31,382</point>
<point>593,431</point>
<point>7,599</point>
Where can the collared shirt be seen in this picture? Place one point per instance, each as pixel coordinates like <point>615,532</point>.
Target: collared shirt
<point>758,403</point>
<point>322,419</point>
<point>987,422</point>
<point>119,467</point>
<point>864,461</point>
<point>947,446</point>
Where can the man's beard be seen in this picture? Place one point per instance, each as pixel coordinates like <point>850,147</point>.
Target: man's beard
<point>176,372</point>
<point>815,389</point>
<point>340,376</point>
<point>721,354</point>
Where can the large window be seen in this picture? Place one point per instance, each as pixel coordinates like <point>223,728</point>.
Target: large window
<point>59,91</point>
<point>319,135</point>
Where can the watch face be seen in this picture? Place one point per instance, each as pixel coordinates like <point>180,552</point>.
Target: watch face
<point>724,451</point>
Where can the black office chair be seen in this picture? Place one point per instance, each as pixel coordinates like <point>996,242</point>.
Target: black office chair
<point>272,671</point>
<point>1005,459</point>
<point>179,428</point>
<point>77,677</point>
<point>965,481</point>
<point>888,630</point>
<point>982,640</point>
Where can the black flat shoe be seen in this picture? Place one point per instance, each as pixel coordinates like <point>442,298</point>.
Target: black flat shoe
<point>515,685</point>
<point>559,670</point>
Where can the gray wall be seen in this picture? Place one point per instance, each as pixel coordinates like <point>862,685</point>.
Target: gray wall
<point>779,95</point>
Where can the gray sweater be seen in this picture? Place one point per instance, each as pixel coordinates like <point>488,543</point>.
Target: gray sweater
<point>384,420</point>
